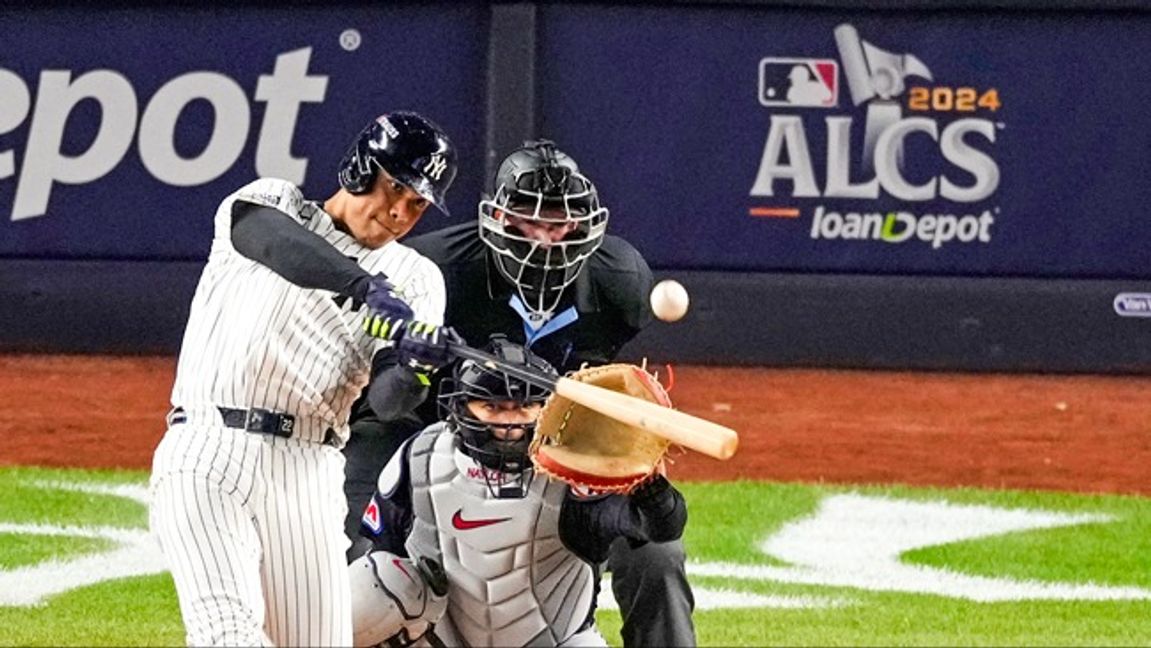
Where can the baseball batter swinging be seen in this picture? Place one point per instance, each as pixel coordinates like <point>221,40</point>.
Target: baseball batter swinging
<point>247,481</point>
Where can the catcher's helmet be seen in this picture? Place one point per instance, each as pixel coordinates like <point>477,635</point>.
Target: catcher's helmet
<point>410,148</point>
<point>470,381</point>
<point>540,183</point>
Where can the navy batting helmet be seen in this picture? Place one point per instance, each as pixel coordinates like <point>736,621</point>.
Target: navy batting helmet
<point>412,149</point>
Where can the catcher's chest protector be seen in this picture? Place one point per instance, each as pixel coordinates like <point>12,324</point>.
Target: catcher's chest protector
<point>513,583</point>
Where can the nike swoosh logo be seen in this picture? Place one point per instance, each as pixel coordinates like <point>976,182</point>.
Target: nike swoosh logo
<point>460,523</point>
<point>400,566</point>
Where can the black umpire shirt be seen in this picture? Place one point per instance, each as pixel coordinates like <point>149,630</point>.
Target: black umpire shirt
<point>610,298</point>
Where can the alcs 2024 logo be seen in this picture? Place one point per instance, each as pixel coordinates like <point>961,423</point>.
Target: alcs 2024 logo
<point>901,101</point>
<point>45,162</point>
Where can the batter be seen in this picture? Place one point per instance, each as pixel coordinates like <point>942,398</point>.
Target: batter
<point>247,483</point>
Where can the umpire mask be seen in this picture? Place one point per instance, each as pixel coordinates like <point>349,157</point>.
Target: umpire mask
<point>542,223</point>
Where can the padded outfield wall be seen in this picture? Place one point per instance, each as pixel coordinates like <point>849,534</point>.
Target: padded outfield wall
<point>917,185</point>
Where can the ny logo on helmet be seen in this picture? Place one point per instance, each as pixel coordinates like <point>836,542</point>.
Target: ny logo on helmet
<point>436,166</point>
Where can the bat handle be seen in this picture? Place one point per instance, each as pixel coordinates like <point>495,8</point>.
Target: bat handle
<point>527,374</point>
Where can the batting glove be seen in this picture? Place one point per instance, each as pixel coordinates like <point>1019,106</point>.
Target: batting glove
<point>384,328</point>
<point>384,302</point>
<point>426,347</point>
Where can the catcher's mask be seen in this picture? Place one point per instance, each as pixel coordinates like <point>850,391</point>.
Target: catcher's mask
<point>410,148</point>
<point>541,184</point>
<point>471,381</point>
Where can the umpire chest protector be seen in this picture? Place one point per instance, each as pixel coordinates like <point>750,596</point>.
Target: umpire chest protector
<point>512,581</point>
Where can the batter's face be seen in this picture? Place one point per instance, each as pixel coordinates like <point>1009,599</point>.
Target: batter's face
<point>378,217</point>
<point>507,418</point>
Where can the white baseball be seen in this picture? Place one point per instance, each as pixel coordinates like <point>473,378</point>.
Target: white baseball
<point>669,300</point>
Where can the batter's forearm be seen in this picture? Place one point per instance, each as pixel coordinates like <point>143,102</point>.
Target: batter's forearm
<point>272,239</point>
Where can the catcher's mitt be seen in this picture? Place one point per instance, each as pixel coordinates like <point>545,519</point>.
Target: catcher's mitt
<point>594,452</point>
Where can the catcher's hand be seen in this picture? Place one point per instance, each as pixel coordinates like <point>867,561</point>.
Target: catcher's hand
<point>591,451</point>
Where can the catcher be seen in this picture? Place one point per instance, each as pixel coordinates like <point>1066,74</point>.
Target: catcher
<point>471,544</point>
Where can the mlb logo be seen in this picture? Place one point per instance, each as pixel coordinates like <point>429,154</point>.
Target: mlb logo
<point>799,82</point>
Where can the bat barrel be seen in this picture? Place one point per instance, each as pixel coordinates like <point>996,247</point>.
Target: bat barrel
<point>683,429</point>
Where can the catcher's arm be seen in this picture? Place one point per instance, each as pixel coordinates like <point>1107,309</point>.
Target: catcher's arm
<point>683,429</point>
<point>661,509</point>
<point>653,512</point>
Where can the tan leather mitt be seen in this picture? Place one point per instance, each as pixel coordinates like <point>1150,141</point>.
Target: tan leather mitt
<point>593,452</point>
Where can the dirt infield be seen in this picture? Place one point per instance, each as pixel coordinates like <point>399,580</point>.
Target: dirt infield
<point>1071,433</point>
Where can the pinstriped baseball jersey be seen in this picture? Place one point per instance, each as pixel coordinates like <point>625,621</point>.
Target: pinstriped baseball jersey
<point>254,340</point>
<point>251,523</point>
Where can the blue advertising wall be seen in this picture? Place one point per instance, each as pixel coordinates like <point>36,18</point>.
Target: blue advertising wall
<point>121,129</point>
<point>1033,120</point>
<point>948,189</point>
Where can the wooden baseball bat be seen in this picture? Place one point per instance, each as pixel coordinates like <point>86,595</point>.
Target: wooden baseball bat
<point>689,431</point>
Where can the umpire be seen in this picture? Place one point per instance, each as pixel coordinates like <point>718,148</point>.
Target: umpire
<point>541,269</point>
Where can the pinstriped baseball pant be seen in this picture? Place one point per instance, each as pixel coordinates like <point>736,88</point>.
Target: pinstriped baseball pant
<point>251,526</point>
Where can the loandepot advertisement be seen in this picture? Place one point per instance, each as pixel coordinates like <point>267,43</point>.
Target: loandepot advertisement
<point>947,191</point>
<point>731,138</point>
<point>771,139</point>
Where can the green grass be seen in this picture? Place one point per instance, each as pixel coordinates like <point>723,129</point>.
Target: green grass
<point>30,549</point>
<point>727,523</point>
<point>728,520</point>
<point>26,496</point>
<point>128,612</point>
